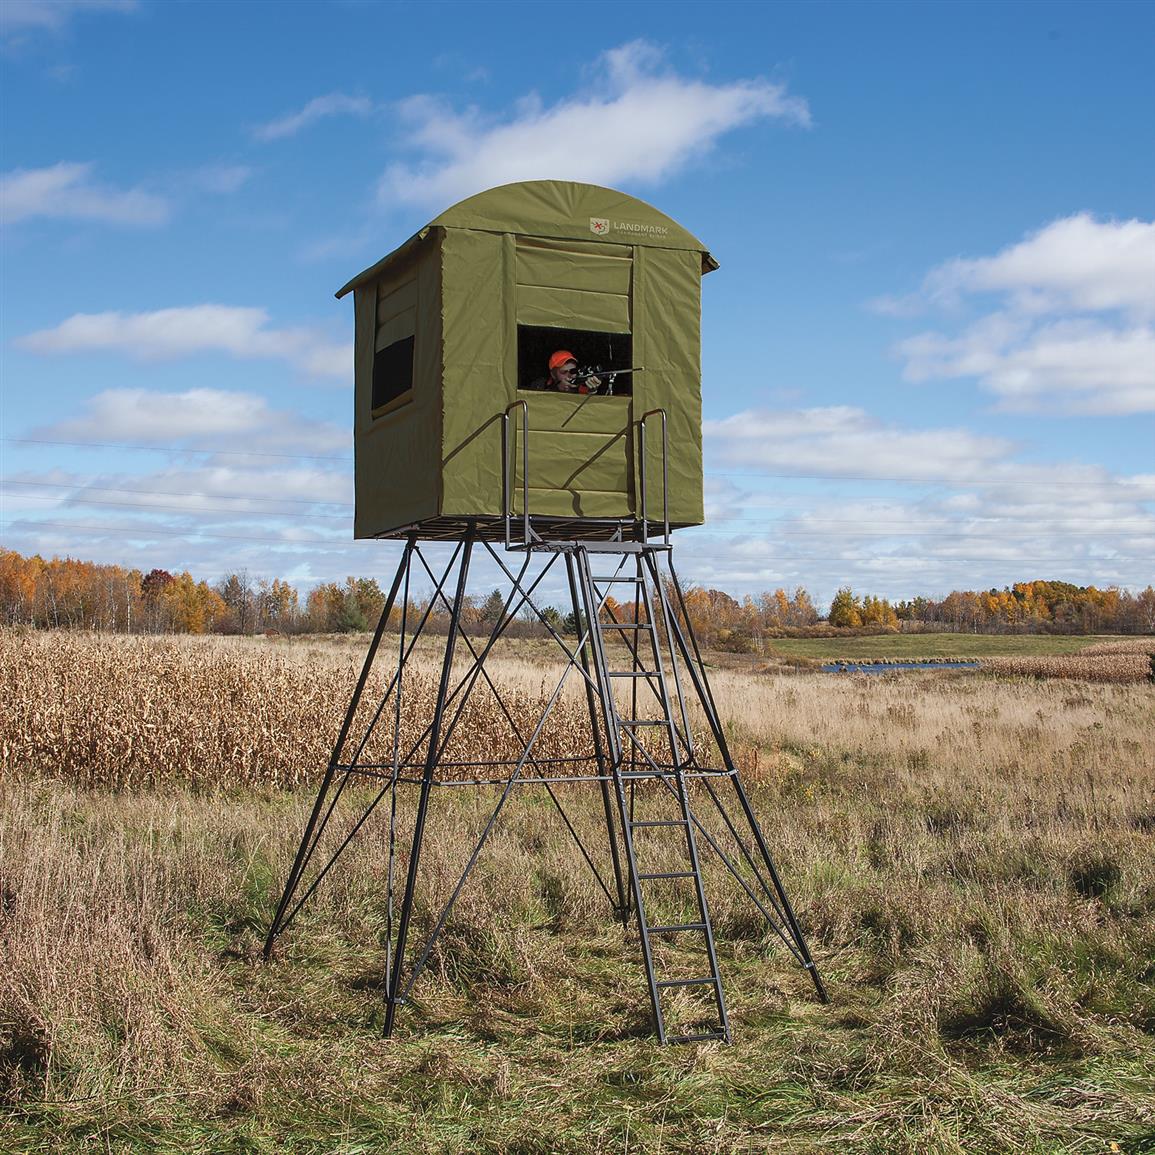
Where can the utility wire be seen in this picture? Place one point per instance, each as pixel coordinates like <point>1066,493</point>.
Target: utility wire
<point>190,510</point>
<point>1004,519</point>
<point>150,530</point>
<point>328,543</point>
<point>963,481</point>
<point>174,493</point>
<point>856,530</point>
<point>177,449</point>
<point>960,481</point>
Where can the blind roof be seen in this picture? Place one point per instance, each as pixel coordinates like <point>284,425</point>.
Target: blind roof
<point>554,208</point>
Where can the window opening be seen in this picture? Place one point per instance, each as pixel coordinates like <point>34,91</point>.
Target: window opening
<point>603,352</point>
<point>392,371</point>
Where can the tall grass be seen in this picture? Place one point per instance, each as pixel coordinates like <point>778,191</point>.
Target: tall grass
<point>972,859</point>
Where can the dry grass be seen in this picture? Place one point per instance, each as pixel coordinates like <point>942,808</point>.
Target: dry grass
<point>228,713</point>
<point>972,858</point>
<point>128,712</point>
<point>1145,645</point>
<point>1114,664</point>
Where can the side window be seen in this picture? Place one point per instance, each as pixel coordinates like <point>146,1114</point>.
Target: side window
<point>392,371</point>
<point>393,347</point>
<point>609,354</point>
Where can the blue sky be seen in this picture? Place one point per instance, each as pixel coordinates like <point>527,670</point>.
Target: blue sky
<point>928,356</point>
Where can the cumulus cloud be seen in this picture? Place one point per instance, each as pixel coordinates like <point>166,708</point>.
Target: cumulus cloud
<point>309,493</point>
<point>1078,264</point>
<point>217,418</point>
<point>789,504</point>
<point>844,441</point>
<point>69,191</point>
<point>1072,366</point>
<point>634,120</point>
<point>320,108</point>
<point>1072,329</point>
<point>165,334</point>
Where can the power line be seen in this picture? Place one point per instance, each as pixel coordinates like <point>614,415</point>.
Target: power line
<point>175,493</point>
<point>954,559</point>
<point>760,475</point>
<point>743,518</point>
<point>961,481</point>
<point>177,449</point>
<point>147,531</point>
<point>235,513</point>
<point>857,533</point>
<point>1142,522</point>
<point>348,505</point>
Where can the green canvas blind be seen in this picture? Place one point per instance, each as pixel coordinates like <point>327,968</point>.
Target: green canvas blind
<point>454,325</point>
<point>558,281</point>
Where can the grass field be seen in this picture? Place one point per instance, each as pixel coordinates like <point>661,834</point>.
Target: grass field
<point>915,646</point>
<point>973,860</point>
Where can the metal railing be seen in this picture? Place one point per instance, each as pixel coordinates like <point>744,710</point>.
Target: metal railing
<point>529,534</point>
<point>665,475</point>
<point>507,480</point>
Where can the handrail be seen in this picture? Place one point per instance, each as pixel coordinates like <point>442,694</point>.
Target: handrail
<point>506,480</point>
<point>665,474</point>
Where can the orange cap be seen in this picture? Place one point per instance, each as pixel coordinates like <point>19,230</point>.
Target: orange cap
<point>560,358</point>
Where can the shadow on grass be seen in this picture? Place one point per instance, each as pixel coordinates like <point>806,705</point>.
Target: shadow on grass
<point>1006,1016</point>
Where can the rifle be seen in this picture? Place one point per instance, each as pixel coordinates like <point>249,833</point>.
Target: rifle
<point>608,375</point>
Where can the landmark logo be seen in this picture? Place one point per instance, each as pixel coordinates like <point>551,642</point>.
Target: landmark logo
<point>599,226</point>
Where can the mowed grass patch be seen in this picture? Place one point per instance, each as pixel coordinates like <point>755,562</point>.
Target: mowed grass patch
<point>907,647</point>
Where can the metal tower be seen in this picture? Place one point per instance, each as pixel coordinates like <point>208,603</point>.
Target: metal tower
<point>670,792</point>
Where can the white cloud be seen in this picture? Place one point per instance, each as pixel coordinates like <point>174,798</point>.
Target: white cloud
<point>335,104</point>
<point>826,497</point>
<point>68,191</point>
<point>843,441</point>
<point>180,332</point>
<point>1077,264</point>
<point>212,418</point>
<point>1072,332</point>
<point>310,493</point>
<point>1070,367</point>
<point>632,122</point>
<point>53,15</point>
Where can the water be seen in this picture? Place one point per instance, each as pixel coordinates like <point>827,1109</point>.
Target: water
<point>887,667</point>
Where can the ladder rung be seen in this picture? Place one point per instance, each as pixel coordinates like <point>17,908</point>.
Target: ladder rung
<point>625,625</point>
<point>709,1036</point>
<point>669,874</point>
<point>687,982</point>
<point>643,721</point>
<point>617,577</point>
<point>630,774</point>
<point>677,926</point>
<point>659,822</point>
<point>632,673</point>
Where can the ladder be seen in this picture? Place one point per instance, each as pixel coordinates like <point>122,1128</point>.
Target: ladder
<point>665,877</point>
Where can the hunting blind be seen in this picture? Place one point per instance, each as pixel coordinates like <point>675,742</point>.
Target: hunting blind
<point>456,442</point>
<point>455,325</point>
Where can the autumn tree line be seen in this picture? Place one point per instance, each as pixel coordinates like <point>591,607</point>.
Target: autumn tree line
<point>66,593</point>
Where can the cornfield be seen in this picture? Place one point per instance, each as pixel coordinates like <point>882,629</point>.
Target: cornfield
<point>128,712</point>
